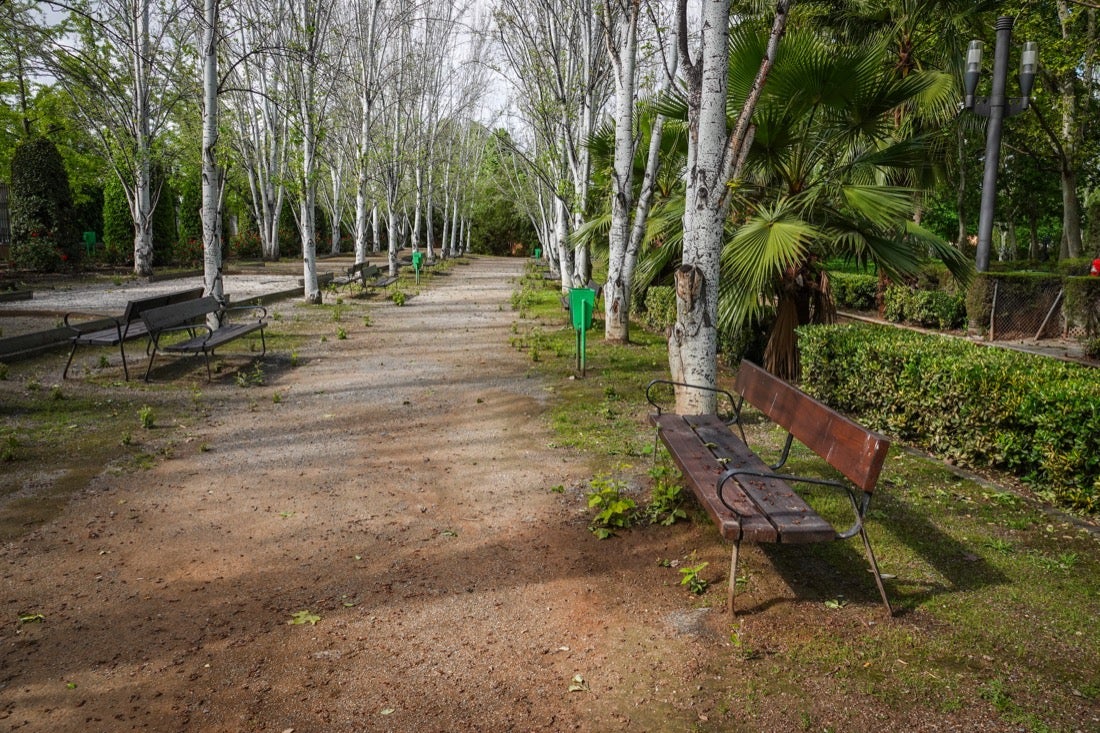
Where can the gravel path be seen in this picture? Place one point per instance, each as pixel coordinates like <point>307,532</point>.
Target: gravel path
<point>399,492</point>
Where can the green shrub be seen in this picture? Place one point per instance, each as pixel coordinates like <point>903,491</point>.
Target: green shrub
<point>43,231</point>
<point>975,405</point>
<point>246,246</point>
<point>660,308</point>
<point>855,292</point>
<point>927,308</point>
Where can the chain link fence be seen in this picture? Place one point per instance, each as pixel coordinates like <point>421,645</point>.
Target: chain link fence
<point>1037,311</point>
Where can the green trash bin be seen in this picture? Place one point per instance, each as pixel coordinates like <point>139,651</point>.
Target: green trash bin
<point>538,253</point>
<point>418,260</point>
<point>582,301</point>
<point>89,243</point>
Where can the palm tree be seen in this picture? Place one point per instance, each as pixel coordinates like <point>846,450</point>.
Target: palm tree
<point>830,173</point>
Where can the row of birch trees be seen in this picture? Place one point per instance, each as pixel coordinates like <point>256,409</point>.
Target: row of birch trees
<point>367,109</point>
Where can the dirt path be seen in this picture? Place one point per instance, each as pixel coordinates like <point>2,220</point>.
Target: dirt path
<point>399,491</point>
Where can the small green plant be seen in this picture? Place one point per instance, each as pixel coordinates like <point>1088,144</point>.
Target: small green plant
<point>1092,348</point>
<point>398,297</point>
<point>126,439</point>
<point>341,334</point>
<point>56,394</point>
<point>276,398</point>
<point>146,416</point>
<point>253,378</point>
<point>34,385</point>
<point>299,618</point>
<point>3,371</point>
<point>692,580</point>
<point>276,316</point>
<point>337,313</point>
<point>103,363</point>
<point>294,360</point>
<point>665,502</point>
<point>367,322</point>
<point>614,511</point>
<point>9,449</point>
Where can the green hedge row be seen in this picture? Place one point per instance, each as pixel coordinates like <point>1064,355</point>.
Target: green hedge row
<point>928,308</point>
<point>856,292</point>
<point>977,406</point>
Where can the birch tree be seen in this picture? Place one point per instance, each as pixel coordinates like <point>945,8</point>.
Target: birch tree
<point>621,21</point>
<point>313,78</point>
<point>715,156</point>
<point>257,84</point>
<point>119,67</point>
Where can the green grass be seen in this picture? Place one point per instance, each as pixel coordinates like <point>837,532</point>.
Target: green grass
<point>996,600</point>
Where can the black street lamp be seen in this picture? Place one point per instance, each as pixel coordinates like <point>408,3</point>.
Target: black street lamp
<point>996,107</point>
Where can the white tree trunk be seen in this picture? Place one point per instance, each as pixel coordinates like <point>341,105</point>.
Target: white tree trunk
<point>715,157</point>
<point>211,188</point>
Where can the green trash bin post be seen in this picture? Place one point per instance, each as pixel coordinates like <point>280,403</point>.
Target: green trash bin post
<point>582,301</point>
<point>538,253</point>
<point>89,243</point>
<point>417,258</point>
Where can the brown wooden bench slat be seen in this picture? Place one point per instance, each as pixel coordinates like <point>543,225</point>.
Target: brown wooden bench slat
<point>853,450</point>
<point>700,468</point>
<point>792,519</point>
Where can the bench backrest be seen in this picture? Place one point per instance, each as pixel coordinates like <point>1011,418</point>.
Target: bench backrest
<point>855,451</point>
<point>178,314</point>
<point>135,308</point>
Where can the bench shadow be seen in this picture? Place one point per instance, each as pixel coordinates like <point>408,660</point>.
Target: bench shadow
<point>826,571</point>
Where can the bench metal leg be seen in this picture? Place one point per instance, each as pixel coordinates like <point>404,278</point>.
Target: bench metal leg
<point>65,371</point>
<point>125,369</point>
<point>733,578</point>
<point>875,570</point>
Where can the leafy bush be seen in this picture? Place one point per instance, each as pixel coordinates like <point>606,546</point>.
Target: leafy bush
<point>974,405</point>
<point>856,292</point>
<point>927,308</point>
<point>43,232</point>
<point>660,308</point>
<point>246,246</point>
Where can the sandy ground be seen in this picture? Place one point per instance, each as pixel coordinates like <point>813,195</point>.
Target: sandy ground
<point>400,492</point>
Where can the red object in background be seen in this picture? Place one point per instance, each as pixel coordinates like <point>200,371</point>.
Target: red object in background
<point>1095,271</point>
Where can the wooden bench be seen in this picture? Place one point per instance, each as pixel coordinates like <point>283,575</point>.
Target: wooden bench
<point>746,498</point>
<point>367,275</point>
<point>124,328</point>
<point>357,273</point>
<point>190,316</point>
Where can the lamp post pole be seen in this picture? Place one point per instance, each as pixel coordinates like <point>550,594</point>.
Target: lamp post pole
<point>996,107</point>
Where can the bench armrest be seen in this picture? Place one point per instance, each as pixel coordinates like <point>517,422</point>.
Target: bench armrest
<point>78,328</point>
<point>860,499</point>
<point>735,405</point>
<point>259,310</point>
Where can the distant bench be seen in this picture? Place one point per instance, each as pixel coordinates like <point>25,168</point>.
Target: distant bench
<point>367,275</point>
<point>745,497</point>
<point>126,327</point>
<point>189,316</point>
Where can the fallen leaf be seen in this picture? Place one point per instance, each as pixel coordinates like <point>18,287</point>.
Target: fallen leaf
<point>579,685</point>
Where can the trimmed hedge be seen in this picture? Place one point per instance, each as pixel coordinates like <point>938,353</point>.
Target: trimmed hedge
<point>927,308</point>
<point>854,291</point>
<point>977,406</point>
